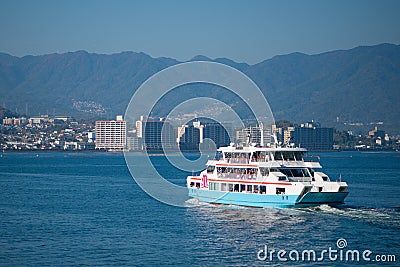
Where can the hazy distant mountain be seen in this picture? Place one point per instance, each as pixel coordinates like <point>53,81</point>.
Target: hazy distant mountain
<point>240,66</point>
<point>357,85</point>
<point>53,83</point>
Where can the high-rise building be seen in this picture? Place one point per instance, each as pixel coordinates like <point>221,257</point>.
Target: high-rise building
<point>313,137</point>
<point>217,133</point>
<point>133,143</point>
<point>156,135</point>
<point>288,135</point>
<point>111,134</point>
<point>190,136</point>
<point>253,135</point>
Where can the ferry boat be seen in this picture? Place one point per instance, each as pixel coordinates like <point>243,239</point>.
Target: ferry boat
<point>265,177</point>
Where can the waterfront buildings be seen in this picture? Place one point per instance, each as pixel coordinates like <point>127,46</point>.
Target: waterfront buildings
<point>309,135</point>
<point>45,133</point>
<point>217,133</point>
<point>111,134</point>
<point>254,135</point>
<point>156,135</point>
<point>375,133</point>
<point>14,121</point>
<point>64,133</point>
<point>191,135</point>
<point>313,137</point>
<point>133,143</point>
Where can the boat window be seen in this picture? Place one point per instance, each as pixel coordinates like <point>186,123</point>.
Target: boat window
<point>297,173</point>
<point>236,188</point>
<point>222,172</point>
<point>325,178</point>
<point>278,156</point>
<point>263,189</point>
<point>191,184</point>
<point>242,187</point>
<point>288,156</point>
<point>240,158</point>
<point>249,188</point>
<point>228,156</point>
<point>252,173</point>
<point>287,172</point>
<point>223,187</point>
<point>255,156</point>
<point>237,173</point>
<point>256,188</point>
<point>298,155</point>
<point>282,178</point>
<point>198,185</point>
<point>210,169</point>
<point>306,173</point>
<point>280,191</point>
<point>264,171</point>
<point>230,187</point>
<point>217,186</point>
<point>259,156</point>
<point>274,170</point>
<point>264,156</point>
<point>343,189</point>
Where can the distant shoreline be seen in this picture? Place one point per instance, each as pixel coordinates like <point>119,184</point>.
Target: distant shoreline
<point>160,153</point>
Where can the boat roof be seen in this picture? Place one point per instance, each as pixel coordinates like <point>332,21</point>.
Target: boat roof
<point>249,149</point>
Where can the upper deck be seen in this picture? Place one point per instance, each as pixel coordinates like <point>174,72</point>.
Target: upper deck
<point>263,156</point>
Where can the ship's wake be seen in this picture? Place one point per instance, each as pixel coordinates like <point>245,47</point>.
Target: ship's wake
<point>385,217</point>
<point>381,216</point>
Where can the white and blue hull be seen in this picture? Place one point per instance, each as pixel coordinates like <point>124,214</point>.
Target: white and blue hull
<point>264,200</point>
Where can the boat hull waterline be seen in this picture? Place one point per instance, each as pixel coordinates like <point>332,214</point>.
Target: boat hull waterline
<point>264,201</point>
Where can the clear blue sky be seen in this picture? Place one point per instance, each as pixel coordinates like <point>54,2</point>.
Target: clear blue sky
<point>245,31</point>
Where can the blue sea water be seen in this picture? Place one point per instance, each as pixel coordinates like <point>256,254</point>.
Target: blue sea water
<point>63,209</point>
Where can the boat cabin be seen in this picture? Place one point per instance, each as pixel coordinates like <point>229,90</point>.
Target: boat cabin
<point>246,155</point>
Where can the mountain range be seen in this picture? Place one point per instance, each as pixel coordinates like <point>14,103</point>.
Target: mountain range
<point>359,85</point>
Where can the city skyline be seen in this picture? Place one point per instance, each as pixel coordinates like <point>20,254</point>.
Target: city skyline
<point>151,134</point>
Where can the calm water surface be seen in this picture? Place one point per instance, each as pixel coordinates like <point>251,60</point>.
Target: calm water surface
<point>85,209</point>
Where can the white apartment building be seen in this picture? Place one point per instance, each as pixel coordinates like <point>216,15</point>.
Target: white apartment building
<point>111,135</point>
<point>254,134</point>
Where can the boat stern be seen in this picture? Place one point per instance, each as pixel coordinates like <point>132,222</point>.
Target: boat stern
<point>318,198</point>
